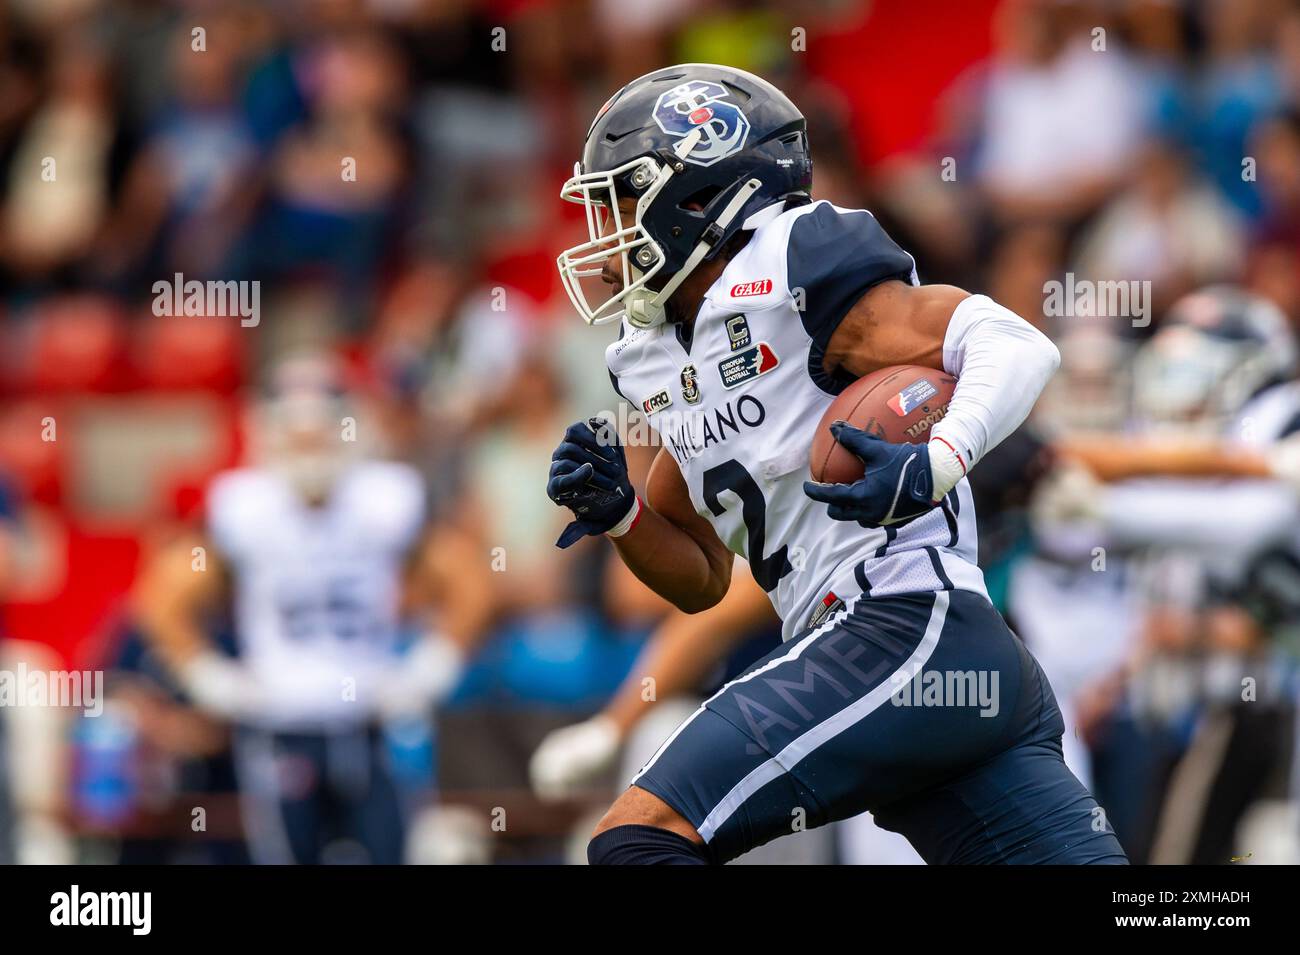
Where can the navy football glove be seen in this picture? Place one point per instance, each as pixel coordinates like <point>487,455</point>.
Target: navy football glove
<point>589,477</point>
<point>896,488</point>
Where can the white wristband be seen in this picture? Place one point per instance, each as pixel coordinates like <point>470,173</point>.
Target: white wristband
<point>629,519</point>
<point>946,467</point>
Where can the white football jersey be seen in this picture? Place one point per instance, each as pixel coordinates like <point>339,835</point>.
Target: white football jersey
<point>317,589</point>
<point>736,405</point>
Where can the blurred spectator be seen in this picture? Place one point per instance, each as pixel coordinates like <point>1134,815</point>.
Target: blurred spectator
<point>1239,86</point>
<point>1060,119</point>
<point>517,520</point>
<point>335,181</point>
<point>187,194</point>
<point>58,189</point>
<point>1164,228</point>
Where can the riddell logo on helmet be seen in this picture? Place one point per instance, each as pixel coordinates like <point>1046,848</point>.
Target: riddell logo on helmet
<point>761,287</point>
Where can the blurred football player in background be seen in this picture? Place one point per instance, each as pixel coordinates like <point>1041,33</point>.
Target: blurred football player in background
<point>323,550</point>
<point>1194,514</point>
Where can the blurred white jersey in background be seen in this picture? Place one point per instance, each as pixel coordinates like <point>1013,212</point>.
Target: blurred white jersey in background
<point>317,589</point>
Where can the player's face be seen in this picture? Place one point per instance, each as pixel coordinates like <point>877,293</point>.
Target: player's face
<point>305,443</point>
<point>619,286</point>
<point>611,272</point>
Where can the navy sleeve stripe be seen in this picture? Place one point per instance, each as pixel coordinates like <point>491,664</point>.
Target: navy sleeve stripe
<point>832,259</point>
<point>1290,428</point>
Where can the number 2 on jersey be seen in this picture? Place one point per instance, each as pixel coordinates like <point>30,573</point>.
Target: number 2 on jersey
<point>732,476</point>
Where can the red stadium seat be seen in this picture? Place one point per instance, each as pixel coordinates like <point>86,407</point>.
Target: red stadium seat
<point>73,343</point>
<point>189,352</point>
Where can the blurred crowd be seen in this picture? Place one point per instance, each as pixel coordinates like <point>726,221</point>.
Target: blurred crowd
<point>389,173</point>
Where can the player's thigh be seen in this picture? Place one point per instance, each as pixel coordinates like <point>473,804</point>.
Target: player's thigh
<point>791,744</point>
<point>1023,807</point>
<point>940,685</point>
<point>1018,803</point>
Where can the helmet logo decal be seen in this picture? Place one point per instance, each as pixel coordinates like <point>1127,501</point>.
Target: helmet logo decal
<point>700,104</point>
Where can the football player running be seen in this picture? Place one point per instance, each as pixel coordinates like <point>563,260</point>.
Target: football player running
<point>744,308</point>
<point>324,554</point>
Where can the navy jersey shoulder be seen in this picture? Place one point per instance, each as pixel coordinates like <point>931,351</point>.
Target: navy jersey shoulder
<point>818,259</point>
<point>834,257</point>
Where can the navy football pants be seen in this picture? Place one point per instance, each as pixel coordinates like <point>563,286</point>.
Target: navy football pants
<point>923,708</point>
<point>304,792</point>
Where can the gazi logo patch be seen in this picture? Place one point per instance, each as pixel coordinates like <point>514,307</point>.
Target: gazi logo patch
<point>745,289</point>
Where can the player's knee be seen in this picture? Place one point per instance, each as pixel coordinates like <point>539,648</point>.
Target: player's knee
<point>638,807</point>
<point>642,829</point>
<point>644,845</point>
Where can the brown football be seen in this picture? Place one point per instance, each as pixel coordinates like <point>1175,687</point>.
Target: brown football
<point>899,404</point>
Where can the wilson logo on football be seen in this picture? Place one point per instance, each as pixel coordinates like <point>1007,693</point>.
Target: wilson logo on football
<point>761,287</point>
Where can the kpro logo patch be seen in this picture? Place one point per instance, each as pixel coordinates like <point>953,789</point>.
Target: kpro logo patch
<point>660,400</point>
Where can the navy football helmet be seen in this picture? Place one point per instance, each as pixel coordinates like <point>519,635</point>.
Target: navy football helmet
<point>701,149</point>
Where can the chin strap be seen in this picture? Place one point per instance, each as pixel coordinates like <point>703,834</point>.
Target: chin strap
<point>647,311</point>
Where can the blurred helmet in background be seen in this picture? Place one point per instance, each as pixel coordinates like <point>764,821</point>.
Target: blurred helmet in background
<point>302,429</point>
<point>701,149</point>
<point>1217,349</point>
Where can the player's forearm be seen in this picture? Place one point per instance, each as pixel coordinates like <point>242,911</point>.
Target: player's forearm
<point>168,603</point>
<point>673,564</point>
<point>1110,460</point>
<point>174,635</point>
<point>1001,363</point>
